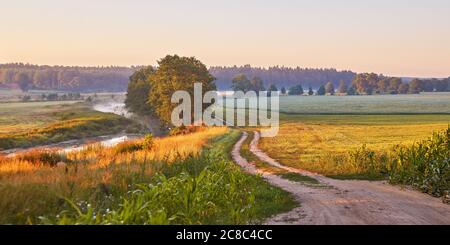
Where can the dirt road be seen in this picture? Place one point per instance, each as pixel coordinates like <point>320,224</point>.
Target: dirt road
<point>336,202</point>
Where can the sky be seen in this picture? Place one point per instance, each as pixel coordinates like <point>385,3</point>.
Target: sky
<point>398,38</point>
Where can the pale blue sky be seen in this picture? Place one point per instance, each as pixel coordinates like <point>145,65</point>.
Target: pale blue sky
<point>401,37</point>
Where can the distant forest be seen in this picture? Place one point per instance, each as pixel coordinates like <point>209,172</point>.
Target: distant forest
<point>281,76</point>
<point>63,78</point>
<point>116,79</point>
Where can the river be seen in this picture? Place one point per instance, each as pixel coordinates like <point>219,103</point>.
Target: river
<point>77,145</point>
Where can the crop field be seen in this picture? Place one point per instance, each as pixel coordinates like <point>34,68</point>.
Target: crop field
<point>316,142</point>
<point>429,103</point>
<point>34,123</point>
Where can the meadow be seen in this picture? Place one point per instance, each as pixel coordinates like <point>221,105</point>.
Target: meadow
<point>27,124</point>
<point>186,179</point>
<point>321,133</point>
<point>424,103</point>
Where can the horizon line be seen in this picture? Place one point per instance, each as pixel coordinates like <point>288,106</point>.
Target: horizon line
<point>230,66</point>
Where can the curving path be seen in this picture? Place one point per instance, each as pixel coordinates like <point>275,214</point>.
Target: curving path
<point>345,202</point>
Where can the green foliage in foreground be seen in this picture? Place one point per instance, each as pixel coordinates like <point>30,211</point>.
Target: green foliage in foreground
<point>208,189</point>
<point>425,165</point>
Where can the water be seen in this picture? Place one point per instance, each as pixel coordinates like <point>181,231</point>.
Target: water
<point>113,107</point>
<point>78,145</point>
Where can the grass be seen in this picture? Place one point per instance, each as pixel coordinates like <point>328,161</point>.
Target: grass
<point>299,178</point>
<point>327,144</point>
<point>36,123</point>
<point>187,179</point>
<point>426,103</point>
<point>261,165</point>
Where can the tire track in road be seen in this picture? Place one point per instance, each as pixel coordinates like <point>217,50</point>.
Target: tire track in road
<point>346,202</point>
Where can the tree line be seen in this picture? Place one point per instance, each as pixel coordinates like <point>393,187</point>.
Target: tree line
<point>370,83</point>
<point>64,78</point>
<point>280,76</point>
<point>116,79</point>
<point>362,84</point>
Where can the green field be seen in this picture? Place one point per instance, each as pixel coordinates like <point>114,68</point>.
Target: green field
<point>429,103</point>
<point>37,123</point>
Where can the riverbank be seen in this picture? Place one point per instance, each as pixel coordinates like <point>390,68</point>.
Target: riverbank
<point>33,124</point>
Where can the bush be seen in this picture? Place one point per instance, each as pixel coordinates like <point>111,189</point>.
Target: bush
<point>128,146</point>
<point>183,130</point>
<point>43,157</point>
<point>147,144</point>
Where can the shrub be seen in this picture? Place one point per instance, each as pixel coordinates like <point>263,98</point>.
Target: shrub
<point>147,144</point>
<point>128,146</point>
<point>183,130</point>
<point>43,157</point>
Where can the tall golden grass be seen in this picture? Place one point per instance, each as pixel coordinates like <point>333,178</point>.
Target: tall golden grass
<point>34,183</point>
<point>96,163</point>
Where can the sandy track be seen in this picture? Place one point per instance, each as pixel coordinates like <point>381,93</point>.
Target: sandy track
<point>347,202</point>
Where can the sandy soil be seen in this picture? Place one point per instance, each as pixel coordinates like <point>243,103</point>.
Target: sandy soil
<point>338,202</point>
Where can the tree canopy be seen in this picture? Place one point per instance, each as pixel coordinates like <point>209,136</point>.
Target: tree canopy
<point>241,83</point>
<point>138,91</point>
<point>296,90</point>
<point>329,88</point>
<point>322,90</point>
<point>342,87</point>
<point>66,78</point>
<point>280,76</point>
<point>310,91</point>
<point>176,73</point>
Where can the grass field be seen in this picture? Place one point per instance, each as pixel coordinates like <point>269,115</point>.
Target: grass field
<point>429,103</point>
<point>35,123</point>
<point>178,180</point>
<point>312,142</point>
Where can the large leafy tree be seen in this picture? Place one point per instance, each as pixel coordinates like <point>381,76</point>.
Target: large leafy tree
<point>272,88</point>
<point>394,85</point>
<point>403,89</point>
<point>310,91</point>
<point>342,87</point>
<point>24,81</point>
<point>257,84</point>
<point>138,91</point>
<point>296,90</point>
<point>241,83</point>
<point>351,90</point>
<point>415,86</point>
<point>176,73</point>
<point>322,90</point>
<point>329,88</point>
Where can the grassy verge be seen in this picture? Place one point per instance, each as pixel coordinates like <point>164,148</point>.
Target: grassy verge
<point>39,123</point>
<point>174,182</point>
<point>296,177</point>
